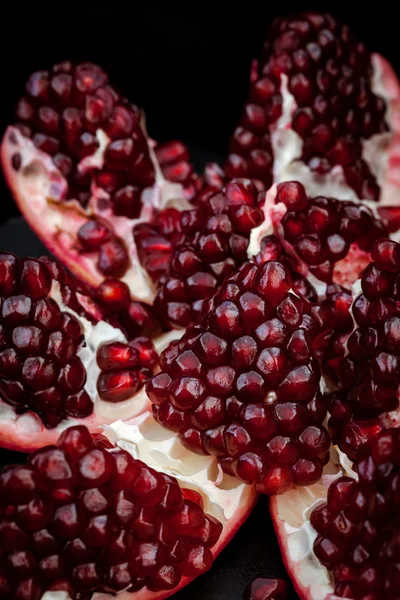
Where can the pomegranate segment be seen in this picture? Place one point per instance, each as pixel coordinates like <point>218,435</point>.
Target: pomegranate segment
<point>369,374</point>
<point>321,109</point>
<point>83,171</point>
<point>243,386</point>
<point>62,112</point>
<point>60,358</point>
<point>192,252</point>
<point>357,527</point>
<point>84,519</point>
<point>326,240</point>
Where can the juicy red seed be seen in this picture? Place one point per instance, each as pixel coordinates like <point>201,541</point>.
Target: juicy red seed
<point>72,376</point>
<point>117,355</point>
<point>93,234</point>
<point>293,195</point>
<point>117,386</point>
<point>35,279</point>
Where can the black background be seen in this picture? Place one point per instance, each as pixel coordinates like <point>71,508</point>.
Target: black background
<point>187,64</point>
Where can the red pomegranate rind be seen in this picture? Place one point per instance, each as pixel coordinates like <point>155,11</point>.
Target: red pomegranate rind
<point>109,184</point>
<point>358,529</point>
<point>210,243</point>
<point>99,520</point>
<point>55,348</point>
<point>242,385</point>
<point>370,373</point>
<point>318,94</point>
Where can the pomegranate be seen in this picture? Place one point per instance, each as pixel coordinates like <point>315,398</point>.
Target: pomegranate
<point>191,252</point>
<point>242,385</point>
<point>83,171</point>
<point>95,515</point>
<point>342,536</point>
<point>61,358</point>
<point>322,110</point>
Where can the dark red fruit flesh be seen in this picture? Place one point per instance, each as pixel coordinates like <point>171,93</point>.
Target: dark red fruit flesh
<point>358,527</point>
<point>237,385</point>
<point>192,253</point>
<point>39,369</point>
<point>79,518</point>
<point>329,74</point>
<point>266,589</point>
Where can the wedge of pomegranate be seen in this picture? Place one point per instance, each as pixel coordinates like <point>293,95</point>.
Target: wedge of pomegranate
<point>322,110</point>
<point>370,374</point>
<point>327,240</point>
<point>340,538</point>
<point>60,361</point>
<point>103,515</point>
<point>192,252</point>
<point>243,386</point>
<point>83,171</point>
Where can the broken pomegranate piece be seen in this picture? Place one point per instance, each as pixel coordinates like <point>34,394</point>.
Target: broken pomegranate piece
<point>357,527</point>
<point>326,240</point>
<point>59,358</point>
<point>80,518</point>
<point>369,374</point>
<point>266,589</point>
<point>194,251</point>
<point>321,110</point>
<point>243,386</point>
<point>83,171</point>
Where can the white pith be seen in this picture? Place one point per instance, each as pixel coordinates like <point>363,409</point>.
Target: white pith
<point>39,188</point>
